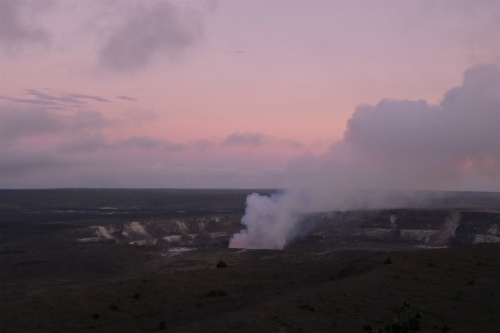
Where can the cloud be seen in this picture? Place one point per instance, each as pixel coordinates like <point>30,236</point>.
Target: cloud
<point>97,142</point>
<point>17,123</point>
<point>150,30</point>
<point>95,98</point>
<point>85,144</point>
<point>392,146</point>
<point>126,98</point>
<point>47,97</point>
<point>172,147</point>
<point>291,144</point>
<point>407,144</point>
<point>139,115</point>
<point>246,139</point>
<point>89,120</point>
<point>473,24</point>
<point>143,142</point>
<point>29,101</point>
<point>15,30</point>
<point>416,144</point>
<point>22,163</point>
<point>204,144</point>
<point>165,145</point>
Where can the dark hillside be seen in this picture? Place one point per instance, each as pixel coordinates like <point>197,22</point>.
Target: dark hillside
<point>453,289</point>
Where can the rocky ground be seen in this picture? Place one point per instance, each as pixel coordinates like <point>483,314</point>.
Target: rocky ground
<point>93,261</point>
<point>455,289</point>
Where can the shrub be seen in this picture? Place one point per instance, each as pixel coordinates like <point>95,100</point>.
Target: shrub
<point>162,325</point>
<point>306,307</point>
<point>388,261</point>
<point>221,264</point>
<point>407,322</point>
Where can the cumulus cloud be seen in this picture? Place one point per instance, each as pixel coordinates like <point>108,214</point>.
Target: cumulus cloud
<point>411,144</point>
<point>392,146</point>
<point>152,29</point>
<point>15,30</point>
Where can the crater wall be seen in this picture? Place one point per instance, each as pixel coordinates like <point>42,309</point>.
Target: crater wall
<point>420,227</point>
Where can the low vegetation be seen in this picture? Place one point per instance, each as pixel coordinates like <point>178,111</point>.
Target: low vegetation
<point>406,321</point>
<point>221,264</point>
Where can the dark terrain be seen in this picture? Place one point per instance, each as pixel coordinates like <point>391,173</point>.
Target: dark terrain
<point>104,260</point>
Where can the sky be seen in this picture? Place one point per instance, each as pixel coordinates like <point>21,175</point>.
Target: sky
<point>250,94</point>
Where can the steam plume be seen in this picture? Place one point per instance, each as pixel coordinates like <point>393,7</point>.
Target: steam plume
<point>387,150</point>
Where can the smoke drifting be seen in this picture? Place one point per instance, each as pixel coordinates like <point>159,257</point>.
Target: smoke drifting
<point>388,150</point>
<point>271,221</point>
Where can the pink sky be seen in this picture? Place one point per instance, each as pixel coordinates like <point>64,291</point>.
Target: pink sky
<point>217,93</point>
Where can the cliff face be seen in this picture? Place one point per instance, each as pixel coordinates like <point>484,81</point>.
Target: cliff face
<point>421,227</point>
<point>204,231</point>
<point>424,227</point>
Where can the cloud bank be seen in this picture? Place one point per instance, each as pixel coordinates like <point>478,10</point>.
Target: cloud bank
<point>53,139</point>
<point>392,146</point>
